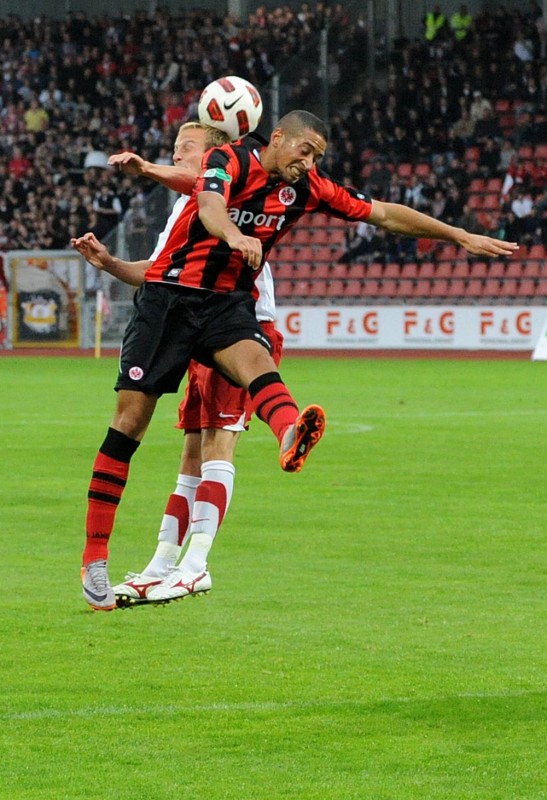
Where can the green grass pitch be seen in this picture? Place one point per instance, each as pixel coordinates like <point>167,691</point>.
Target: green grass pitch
<point>377,625</point>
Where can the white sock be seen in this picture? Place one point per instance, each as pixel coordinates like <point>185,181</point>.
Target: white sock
<point>175,526</point>
<point>210,506</point>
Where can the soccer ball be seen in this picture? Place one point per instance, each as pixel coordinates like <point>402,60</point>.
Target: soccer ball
<point>232,105</point>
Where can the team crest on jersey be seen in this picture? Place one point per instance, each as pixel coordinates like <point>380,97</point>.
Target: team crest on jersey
<point>136,373</point>
<point>287,195</point>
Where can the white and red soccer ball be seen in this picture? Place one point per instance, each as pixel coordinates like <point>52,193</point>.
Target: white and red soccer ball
<point>232,105</point>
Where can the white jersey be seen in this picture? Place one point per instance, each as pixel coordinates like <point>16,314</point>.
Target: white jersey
<point>265,304</point>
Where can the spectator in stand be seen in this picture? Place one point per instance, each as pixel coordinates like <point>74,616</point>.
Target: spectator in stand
<point>438,204</point>
<point>435,26</point>
<point>104,98</point>
<point>107,207</point>
<point>136,228</point>
<point>540,213</point>
<point>364,243</point>
<point>487,128</point>
<point>509,226</point>
<point>464,128</point>
<point>35,117</point>
<point>523,48</point>
<point>454,205</point>
<point>507,154</point>
<point>379,178</point>
<point>460,24</point>
<point>469,220</point>
<point>480,107</point>
<point>522,207</point>
<point>19,164</point>
<point>489,158</point>
<point>413,195</point>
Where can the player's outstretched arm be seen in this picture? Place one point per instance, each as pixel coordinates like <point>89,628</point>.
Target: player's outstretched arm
<point>179,178</point>
<point>406,221</point>
<point>94,252</point>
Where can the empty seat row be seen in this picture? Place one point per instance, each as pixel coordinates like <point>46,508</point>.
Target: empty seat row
<point>403,290</point>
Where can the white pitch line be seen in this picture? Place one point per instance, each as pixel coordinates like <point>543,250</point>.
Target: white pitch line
<point>32,420</point>
<point>173,708</point>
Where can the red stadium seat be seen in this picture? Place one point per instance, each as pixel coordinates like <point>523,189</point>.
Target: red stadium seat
<point>319,270</point>
<point>319,235</point>
<point>322,253</point>
<point>456,289</point>
<point>475,201</point>
<point>318,288</point>
<point>460,270</point>
<point>356,271</point>
<point>526,152</point>
<point>305,254</point>
<point>477,185</point>
<point>353,288</point>
<point>532,269</point>
<point>405,288</point>
<point>474,289</point>
<point>494,185</point>
<point>284,253</point>
<point>374,270</point>
<point>502,105</point>
<point>526,288</point>
<point>491,287</point>
<point>426,270</point>
<point>370,288</point>
<point>422,170</point>
<point>439,288</point>
<point>509,288</point>
<point>541,288</point>
<point>448,252</point>
<point>302,271</point>
<point>338,271</point>
<point>513,269</point>
<point>388,288</point>
<point>409,270</point>
<point>284,289</point>
<point>491,202</point>
<point>335,288</point>
<point>471,154</point>
<point>282,270</point>
<point>537,251</point>
<point>301,288</point>
<point>478,270</point>
<point>392,270</point>
<point>404,170</point>
<point>444,269</point>
<point>422,288</point>
<point>496,269</point>
<point>301,235</point>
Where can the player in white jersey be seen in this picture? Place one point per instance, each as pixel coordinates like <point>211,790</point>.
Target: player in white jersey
<point>212,414</point>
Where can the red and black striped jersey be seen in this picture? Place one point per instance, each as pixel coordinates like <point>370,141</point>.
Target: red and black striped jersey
<point>261,206</point>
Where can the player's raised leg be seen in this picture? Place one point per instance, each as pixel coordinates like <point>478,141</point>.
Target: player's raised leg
<point>250,364</point>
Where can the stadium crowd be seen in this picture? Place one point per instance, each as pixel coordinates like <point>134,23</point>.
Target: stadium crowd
<point>83,87</point>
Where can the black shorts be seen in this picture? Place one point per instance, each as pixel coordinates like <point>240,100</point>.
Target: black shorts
<point>172,324</point>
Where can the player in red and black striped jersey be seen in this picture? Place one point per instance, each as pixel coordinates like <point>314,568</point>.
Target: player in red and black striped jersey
<point>261,206</point>
<point>197,302</point>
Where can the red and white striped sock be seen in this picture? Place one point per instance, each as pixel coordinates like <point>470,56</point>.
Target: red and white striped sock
<point>175,526</point>
<point>212,501</point>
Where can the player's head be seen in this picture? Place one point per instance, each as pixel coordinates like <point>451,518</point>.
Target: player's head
<point>193,139</point>
<point>297,143</point>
